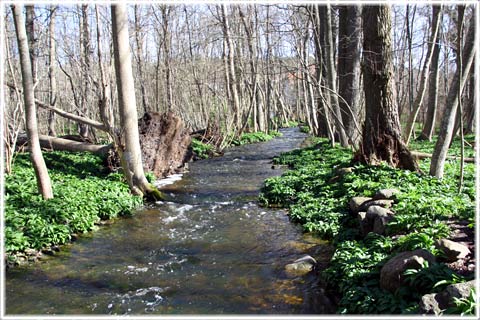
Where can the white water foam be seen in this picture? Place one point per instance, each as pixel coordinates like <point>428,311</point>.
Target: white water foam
<point>168,180</point>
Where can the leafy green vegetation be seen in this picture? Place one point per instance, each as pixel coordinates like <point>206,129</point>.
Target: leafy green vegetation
<point>305,129</point>
<point>253,137</point>
<point>317,189</point>
<point>201,149</point>
<point>84,191</point>
<point>289,124</point>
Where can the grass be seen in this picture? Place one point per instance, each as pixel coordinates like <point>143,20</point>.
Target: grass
<point>84,193</point>
<point>317,198</point>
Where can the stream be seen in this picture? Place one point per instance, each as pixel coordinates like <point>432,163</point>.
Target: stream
<point>210,250</point>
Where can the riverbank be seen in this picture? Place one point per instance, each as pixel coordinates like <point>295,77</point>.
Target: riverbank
<point>86,195</point>
<point>324,191</point>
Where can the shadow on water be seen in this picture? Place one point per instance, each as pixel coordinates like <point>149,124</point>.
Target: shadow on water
<point>211,250</point>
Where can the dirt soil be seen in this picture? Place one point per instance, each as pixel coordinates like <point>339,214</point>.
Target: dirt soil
<point>165,142</point>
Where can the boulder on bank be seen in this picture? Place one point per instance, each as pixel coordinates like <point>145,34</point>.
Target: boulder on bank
<point>356,202</point>
<point>452,250</point>
<point>387,194</point>
<point>434,303</point>
<point>165,142</point>
<point>391,274</point>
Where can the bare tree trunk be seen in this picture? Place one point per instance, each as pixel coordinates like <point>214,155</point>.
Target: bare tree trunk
<point>322,121</point>
<point>139,54</point>
<point>104,103</point>
<point>231,68</point>
<point>52,71</point>
<point>41,173</point>
<point>31,36</point>
<point>166,48</point>
<point>381,133</point>
<point>130,152</point>
<point>84,130</point>
<point>349,67</point>
<point>62,144</point>
<point>332,76</point>
<point>470,103</point>
<point>430,118</point>
<point>454,94</point>
<point>424,76</point>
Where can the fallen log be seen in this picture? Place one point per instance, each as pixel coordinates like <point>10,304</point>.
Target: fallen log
<point>61,144</point>
<point>422,155</point>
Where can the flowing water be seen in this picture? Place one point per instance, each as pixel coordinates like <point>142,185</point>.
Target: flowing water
<point>210,250</point>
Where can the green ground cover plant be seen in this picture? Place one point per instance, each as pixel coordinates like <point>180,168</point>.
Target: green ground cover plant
<point>254,137</point>
<point>84,193</point>
<point>201,149</point>
<point>316,194</point>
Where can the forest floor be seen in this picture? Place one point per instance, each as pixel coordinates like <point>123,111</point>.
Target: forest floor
<point>318,189</point>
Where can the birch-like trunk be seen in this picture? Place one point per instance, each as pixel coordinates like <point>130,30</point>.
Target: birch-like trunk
<point>41,172</point>
<point>454,94</point>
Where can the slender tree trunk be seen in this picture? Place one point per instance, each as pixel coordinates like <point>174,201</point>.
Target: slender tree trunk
<point>235,100</point>
<point>381,133</point>
<point>52,60</point>
<point>31,36</point>
<point>424,76</point>
<point>430,118</point>
<point>41,173</point>
<point>332,76</point>
<point>470,103</point>
<point>454,94</point>
<point>130,152</point>
<point>166,48</point>
<point>139,54</point>
<point>84,130</point>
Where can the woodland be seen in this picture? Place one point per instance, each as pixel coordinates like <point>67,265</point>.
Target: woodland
<point>386,94</point>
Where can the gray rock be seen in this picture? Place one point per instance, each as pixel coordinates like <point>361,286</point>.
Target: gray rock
<point>459,290</point>
<point>376,211</point>
<point>381,203</point>
<point>344,171</point>
<point>391,274</point>
<point>301,266</point>
<point>429,304</point>
<point>380,224</point>
<point>389,194</point>
<point>452,250</point>
<point>365,224</point>
<point>356,202</point>
<point>31,252</point>
<point>434,303</point>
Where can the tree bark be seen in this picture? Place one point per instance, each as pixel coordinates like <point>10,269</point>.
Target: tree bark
<point>130,152</point>
<point>52,60</point>
<point>424,76</point>
<point>349,67</point>
<point>235,100</point>
<point>381,133</point>
<point>332,76</point>
<point>61,144</point>
<point>139,54</point>
<point>41,173</point>
<point>454,94</point>
<point>430,118</point>
<point>85,44</point>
